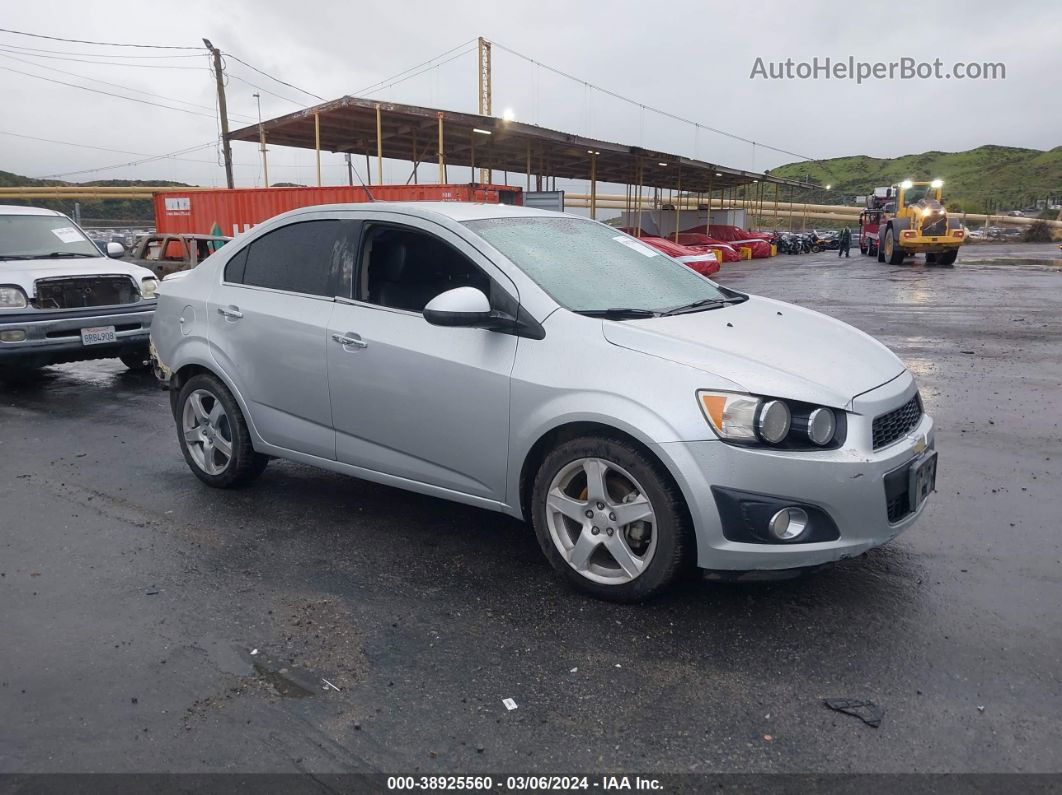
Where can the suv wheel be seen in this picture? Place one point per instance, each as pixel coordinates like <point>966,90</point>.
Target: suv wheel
<point>136,359</point>
<point>610,520</point>
<point>213,435</point>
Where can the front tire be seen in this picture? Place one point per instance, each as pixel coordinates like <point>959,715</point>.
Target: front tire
<point>610,520</point>
<point>135,360</point>
<point>947,257</point>
<point>892,252</point>
<point>213,435</point>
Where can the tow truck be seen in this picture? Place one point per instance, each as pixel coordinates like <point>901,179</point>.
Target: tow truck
<point>912,220</point>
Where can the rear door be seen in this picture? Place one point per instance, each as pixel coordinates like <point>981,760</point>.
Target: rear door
<point>268,329</point>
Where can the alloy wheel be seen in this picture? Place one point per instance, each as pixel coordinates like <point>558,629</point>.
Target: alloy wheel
<point>601,521</point>
<point>207,431</point>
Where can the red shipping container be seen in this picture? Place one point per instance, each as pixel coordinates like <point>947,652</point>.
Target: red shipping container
<point>229,212</point>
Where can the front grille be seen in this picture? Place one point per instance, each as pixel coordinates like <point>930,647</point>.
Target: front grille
<point>77,292</point>
<point>897,423</point>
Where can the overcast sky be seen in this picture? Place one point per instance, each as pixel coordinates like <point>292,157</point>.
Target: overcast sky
<point>693,59</point>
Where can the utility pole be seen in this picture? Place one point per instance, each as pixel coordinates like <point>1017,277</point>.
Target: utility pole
<point>223,111</point>
<point>484,89</point>
<point>261,140</point>
<point>350,170</point>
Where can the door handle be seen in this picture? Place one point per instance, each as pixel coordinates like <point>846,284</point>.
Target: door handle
<point>231,312</point>
<point>350,339</point>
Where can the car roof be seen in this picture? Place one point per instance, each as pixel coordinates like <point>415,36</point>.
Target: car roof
<point>456,211</point>
<point>12,209</point>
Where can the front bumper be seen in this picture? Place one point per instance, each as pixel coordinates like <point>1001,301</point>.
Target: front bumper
<point>848,484</point>
<point>54,336</point>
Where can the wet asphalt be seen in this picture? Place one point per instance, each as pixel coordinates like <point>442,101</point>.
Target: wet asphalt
<point>319,623</point>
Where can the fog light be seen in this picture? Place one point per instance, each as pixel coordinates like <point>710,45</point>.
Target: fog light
<point>12,335</point>
<point>788,524</point>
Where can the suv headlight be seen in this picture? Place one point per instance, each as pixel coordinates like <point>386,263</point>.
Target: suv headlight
<point>12,298</point>
<point>750,419</point>
<point>149,287</point>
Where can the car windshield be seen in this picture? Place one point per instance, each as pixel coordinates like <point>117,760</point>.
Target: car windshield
<point>33,236</point>
<point>589,267</point>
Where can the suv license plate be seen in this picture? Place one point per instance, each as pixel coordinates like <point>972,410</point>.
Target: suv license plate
<point>98,335</point>
<point>922,479</point>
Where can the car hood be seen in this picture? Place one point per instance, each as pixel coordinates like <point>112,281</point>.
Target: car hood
<point>768,348</point>
<point>24,273</point>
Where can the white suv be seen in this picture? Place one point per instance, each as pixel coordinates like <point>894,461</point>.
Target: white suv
<point>61,300</point>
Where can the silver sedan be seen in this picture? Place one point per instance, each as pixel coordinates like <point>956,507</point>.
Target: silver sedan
<point>642,418</point>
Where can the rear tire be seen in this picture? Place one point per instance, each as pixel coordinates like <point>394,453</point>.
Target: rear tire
<point>213,435</point>
<point>948,257</point>
<point>584,473</point>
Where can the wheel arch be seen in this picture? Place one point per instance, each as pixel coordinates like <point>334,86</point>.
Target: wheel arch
<point>197,366</point>
<point>574,429</point>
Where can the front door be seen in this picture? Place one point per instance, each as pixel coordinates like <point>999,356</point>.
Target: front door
<point>421,402</point>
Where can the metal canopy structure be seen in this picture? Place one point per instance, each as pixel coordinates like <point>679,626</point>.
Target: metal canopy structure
<point>356,126</point>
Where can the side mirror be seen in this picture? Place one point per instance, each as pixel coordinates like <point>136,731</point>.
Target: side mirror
<point>115,250</point>
<point>462,306</point>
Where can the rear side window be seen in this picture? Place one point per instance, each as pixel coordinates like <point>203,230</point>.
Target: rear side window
<point>297,258</point>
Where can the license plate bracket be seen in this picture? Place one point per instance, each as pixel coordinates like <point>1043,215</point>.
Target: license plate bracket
<point>922,479</point>
<point>98,335</point>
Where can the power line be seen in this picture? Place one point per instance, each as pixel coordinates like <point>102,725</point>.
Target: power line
<point>107,93</point>
<point>266,90</point>
<point>100,43</point>
<point>172,155</point>
<point>101,54</point>
<point>4,47</point>
<point>643,106</point>
<point>275,79</point>
<point>389,82</point>
<point>104,82</point>
<point>425,63</point>
<point>122,151</point>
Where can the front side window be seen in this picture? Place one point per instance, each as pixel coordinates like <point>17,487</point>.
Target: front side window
<point>295,258</point>
<point>42,236</point>
<point>589,267</point>
<point>403,268</point>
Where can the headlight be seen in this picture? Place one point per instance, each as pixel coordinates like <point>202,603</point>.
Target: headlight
<point>12,298</point>
<point>772,421</point>
<point>731,415</point>
<point>149,287</point>
<point>821,426</point>
<point>750,419</point>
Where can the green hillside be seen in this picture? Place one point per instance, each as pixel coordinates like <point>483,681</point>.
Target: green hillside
<point>91,210</point>
<point>988,178</point>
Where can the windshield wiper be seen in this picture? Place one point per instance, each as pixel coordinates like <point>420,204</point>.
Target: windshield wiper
<point>618,313</point>
<point>65,254</point>
<point>703,305</point>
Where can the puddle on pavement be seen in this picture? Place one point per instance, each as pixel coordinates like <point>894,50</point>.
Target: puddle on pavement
<point>281,682</point>
<point>286,680</point>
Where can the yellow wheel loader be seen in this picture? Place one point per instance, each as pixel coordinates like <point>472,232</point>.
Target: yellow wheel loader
<point>916,222</point>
